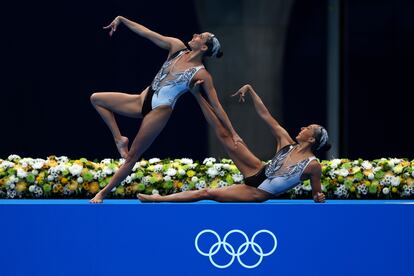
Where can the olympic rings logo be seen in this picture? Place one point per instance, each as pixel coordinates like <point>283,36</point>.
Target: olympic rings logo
<point>214,249</point>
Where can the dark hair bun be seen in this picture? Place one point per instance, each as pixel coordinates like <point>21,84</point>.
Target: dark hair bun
<point>326,147</point>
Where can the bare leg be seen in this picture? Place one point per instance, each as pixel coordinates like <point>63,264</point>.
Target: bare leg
<point>150,128</point>
<point>233,193</point>
<point>243,158</point>
<point>121,103</point>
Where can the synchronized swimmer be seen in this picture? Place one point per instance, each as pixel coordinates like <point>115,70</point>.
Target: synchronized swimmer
<point>184,71</point>
<point>292,163</point>
<point>155,104</point>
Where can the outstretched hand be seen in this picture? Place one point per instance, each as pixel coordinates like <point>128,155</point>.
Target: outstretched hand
<point>319,197</point>
<point>114,24</point>
<point>241,93</point>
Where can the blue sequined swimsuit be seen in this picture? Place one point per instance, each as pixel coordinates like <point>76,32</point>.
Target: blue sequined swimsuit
<point>275,178</point>
<point>166,91</point>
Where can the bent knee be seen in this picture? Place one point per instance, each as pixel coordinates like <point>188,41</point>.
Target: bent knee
<point>95,97</point>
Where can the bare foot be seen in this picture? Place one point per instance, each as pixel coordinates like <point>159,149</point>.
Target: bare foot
<point>98,198</point>
<point>149,198</point>
<point>122,145</point>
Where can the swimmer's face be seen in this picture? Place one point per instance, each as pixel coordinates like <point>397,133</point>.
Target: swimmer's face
<point>199,41</point>
<point>307,133</point>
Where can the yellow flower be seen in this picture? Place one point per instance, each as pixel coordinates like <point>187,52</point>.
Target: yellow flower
<point>178,184</point>
<point>39,179</point>
<point>85,186</point>
<point>57,188</point>
<point>367,172</point>
<point>64,180</point>
<point>73,185</point>
<point>394,189</point>
<point>21,186</point>
<point>191,173</point>
<point>352,189</point>
<point>94,187</point>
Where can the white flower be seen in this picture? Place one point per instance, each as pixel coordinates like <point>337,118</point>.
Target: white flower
<point>79,179</point>
<point>237,177</point>
<point>209,160</point>
<point>155,192</point>
<point>222,184</point>
<point>377,168</point>
<point>412,173</point>
<point>226,167</point>
<point>201,185</point>
<point>146,179</point>
<point>35,172</point>
<point>106,161</point>
<point>395,161</point>
<point>341,191</point>
<point>154,160</point>
<point>121,161</point>
<point>167,178</point>
<point>6,164</point>
<point>75,169</point>
<point>362,189</point>
<point>50,177</point>
<point>171,172</point>
<point>62,159</point>
<point>181,172</point>
<point>387,180</point>
<point>143,163</point>
<point>11,193</point>
<point>209,164</point>
<point>136,166</point>
<point>13,157</point>
<point>343,172</point>
<point>218,166</point>
<point>185,187</point>
<point>12,179</point>
<point>128,179</point>
<point>335,163</point>
<point>194,179</point>
<point>32,188</point>
<point>38,163</point>
<point>158,168</point>
<point>21,173</point>
<point>193,166</point>
<point>385,191</point>
<point>212,172</point>
<point>297,189</point>
<point>395,181</point>
<point>11,185</point>
<point>107,171</point>
<point>371,176</point>
<point>366,165</point>
<point>186,161</point>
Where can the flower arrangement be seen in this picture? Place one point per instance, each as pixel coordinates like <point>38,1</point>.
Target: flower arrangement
<point>60,177</point>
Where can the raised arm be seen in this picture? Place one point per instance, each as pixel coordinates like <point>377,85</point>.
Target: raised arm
<point>203,78</point>
<point>281,135</point>
<point>168,43</point>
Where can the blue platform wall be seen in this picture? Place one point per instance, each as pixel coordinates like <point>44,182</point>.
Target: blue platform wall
<point>125,237</point>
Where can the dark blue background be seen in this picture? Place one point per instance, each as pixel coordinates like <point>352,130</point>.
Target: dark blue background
<point>56,54</point>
